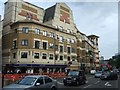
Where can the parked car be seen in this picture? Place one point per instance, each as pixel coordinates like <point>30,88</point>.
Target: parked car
<point>98,74</point>
<point>109,75</point>
<point>92,72</point>
<point>75,77</point>
<point>33,82</point>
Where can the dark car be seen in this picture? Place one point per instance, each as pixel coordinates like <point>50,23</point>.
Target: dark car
<point>75,77</point>
<point>109,75</point>
<point>33,82</point>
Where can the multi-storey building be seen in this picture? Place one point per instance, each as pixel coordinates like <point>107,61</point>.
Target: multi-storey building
<point>0,44</point>
<point>36,40</point>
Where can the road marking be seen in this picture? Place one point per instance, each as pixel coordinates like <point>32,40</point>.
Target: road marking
<point>87,86</point>
<point>97,82</point>
<point>106,83</point>
<point>60,83</point>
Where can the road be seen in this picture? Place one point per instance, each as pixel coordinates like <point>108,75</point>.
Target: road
<point>93,83</point>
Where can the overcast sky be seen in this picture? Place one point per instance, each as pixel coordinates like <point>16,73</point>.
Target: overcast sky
<point>99,18</point>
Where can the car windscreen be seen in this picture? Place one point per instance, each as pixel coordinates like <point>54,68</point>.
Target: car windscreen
<point>27,81</point>
<point>73,73</point>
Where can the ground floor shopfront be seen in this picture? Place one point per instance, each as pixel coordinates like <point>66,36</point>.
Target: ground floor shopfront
<point>33,68</point>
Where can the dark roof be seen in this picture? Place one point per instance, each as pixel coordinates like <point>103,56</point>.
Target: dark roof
<point>49,13</point>
<point>93,36</point>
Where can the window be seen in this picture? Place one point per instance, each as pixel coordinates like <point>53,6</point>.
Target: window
<point>51,35</point>
<point>15,30</point>
<point>36,55</point>
<point>73,58</point>
<point>51,45</point>
<point>14,44</point>
<point>24,42</point>
<point>44,45</point>
<point>44,33</point>
<point>37,44</point>
<point>56,57</point>
<point>68,40</point>
<point>44,56</point>
<point>14,55</point>
<point>72,41</point>
<point>40,80</point>
<point>48,80</point>
<point>37,31</point>
<point>25,30</point>
<point>61,57</point>
<point>61,39</point>
<point>73,50</point>
<point>68,50</point>
<point>68,31</point>
<point>68,58</point>
<point>61,49</point>
<point>51,56</point>
<point>56,47</point>
<point>23,54</point>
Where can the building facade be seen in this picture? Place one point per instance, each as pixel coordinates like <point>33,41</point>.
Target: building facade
<point>36,40</point>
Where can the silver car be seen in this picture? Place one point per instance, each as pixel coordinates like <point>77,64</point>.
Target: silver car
<point>34,82</point>
<point>98,74</point>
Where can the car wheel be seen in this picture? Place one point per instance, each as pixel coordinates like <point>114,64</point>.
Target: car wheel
<point>77,83</point>
<point>53,88</point>
<point>65,84</point>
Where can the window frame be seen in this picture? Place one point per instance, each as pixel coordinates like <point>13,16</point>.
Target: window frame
<point>50,56</point>
<point>44,33</point>
<point>25,30</point>
<point>37,46</point>
<point>61,58</point>
<point>24,56</point>
<point>44,55</point>
<point>37,31</point>
<point>24,42</point>
<point>35,56</point>
<point>61,39</point>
